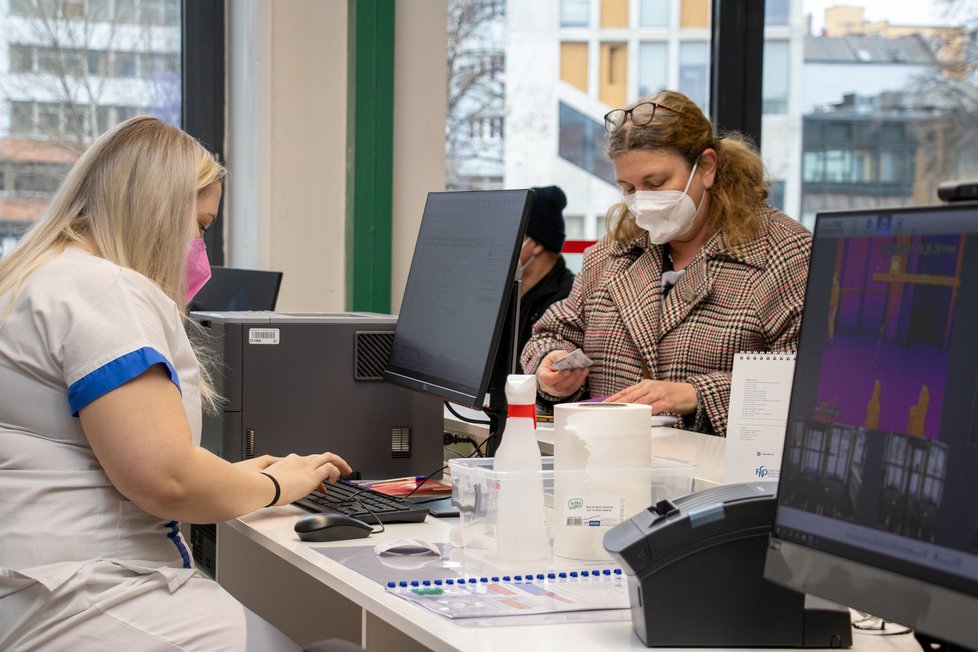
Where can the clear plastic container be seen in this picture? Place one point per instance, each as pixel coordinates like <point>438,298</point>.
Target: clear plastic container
<point>475,490</point>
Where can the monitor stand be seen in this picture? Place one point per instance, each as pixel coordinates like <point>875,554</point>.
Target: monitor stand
<point>503,365</point>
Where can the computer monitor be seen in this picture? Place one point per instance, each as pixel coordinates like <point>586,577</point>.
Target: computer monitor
<point>232,289</point>
<point>878,494</point>
<point>452,338</point>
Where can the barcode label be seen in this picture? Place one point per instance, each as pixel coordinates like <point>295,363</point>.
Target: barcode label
<point>575,520</point>
<point>262,336</point>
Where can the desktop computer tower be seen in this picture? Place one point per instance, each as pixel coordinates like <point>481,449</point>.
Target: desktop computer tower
<point>312,382</point>
<point>308,383</point>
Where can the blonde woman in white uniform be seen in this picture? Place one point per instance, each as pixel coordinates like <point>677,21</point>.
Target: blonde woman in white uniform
<point>100,414</point>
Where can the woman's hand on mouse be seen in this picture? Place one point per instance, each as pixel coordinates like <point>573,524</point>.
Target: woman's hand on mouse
<point>297,475</point>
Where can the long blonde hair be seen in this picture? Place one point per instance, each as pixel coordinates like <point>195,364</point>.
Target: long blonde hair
<point>130,199</point>
<point>739,187</point>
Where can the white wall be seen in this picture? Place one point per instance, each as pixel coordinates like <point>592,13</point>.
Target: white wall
<point>420,103</point>
<point>286,198</point>
<point>287,146</point>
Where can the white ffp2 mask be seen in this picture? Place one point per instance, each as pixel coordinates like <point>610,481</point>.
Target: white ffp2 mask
<point>520,265</point>
<point>665,214</point>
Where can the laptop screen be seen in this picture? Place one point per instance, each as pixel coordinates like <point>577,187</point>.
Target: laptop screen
<point>230,288</point>
<point>880,462</point>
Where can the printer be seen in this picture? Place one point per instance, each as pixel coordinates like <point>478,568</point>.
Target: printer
<point>695,572</point>
<point>313,382</point>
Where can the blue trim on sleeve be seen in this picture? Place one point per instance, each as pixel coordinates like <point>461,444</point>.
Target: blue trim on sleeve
<point>114,374</point>
<point>174,536</point>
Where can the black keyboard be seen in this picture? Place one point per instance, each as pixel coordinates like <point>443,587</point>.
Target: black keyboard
<point>347,498</point>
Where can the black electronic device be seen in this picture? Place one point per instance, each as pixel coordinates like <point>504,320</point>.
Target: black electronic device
<point>308,382</point>
<point>441,506</point>
<point>231,288</point>
<point>453,339</point>
<point>365,504</point>
<point>951,191</point>
<point>878,488</point>
<point>695,566</point>
<point>331,527</point>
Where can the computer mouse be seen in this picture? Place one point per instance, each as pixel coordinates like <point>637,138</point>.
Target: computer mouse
<point>331,527</point>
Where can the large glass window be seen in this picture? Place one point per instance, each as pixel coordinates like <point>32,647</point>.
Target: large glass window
<point>654,13</point>
<point>775,80</point>
<point>776,12</point>
<point>866,107</point>
<point>694,71</point>
<point>653,67</point>
<point>76,68</point>
<point>575,13</point>
<point>582,143</point>
<point>566,64</point>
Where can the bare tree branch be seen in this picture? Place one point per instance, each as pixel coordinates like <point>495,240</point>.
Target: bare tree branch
<point>476,89</point>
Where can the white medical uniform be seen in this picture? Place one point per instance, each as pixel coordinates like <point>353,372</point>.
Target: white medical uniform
<point>81,567</point>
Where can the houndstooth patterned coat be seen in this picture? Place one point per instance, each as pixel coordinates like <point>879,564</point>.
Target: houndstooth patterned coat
<point>725,303</point>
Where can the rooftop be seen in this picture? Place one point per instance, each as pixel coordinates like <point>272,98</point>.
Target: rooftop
<point>911,50</point>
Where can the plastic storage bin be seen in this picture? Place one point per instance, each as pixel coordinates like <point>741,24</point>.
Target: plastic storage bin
<point>475,490</point>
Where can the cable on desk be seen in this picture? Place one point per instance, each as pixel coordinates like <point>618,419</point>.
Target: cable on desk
<point>465,419</point>
<point>418,485</point>
<point>356,497</point>
<point>478,452</point>
<point>453,438</point>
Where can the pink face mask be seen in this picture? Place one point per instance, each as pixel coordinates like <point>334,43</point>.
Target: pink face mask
<point>198,268</point>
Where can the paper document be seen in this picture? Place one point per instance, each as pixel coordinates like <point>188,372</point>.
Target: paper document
<point>508,597</point>
<point>760,391</point>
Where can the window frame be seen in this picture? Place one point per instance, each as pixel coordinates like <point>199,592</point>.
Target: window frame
<point>737,59</point>
<point>203,102</point>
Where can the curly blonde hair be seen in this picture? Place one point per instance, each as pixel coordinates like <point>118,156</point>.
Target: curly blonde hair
<point>739,187</point>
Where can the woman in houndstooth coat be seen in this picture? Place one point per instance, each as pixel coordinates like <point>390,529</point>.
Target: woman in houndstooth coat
<point>696,267</point>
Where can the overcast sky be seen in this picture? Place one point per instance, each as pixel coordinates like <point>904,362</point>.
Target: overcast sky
<point>898,12</point>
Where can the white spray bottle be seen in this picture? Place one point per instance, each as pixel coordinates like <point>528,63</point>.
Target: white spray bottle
<point>521,528</point>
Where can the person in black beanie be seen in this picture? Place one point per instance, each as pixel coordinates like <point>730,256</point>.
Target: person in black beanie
<point>544,274</point>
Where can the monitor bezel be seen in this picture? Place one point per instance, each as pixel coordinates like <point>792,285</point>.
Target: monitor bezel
<point>927,607</point>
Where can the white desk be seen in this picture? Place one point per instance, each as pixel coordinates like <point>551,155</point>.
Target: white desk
<point>311,597</point>
<point>260,557</point>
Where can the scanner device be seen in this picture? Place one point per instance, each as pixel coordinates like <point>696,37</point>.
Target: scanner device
<point>695,570</point>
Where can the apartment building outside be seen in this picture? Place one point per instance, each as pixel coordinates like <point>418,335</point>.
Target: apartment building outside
<point>69,70</point>
<point>590,56</point>
<point>568,62</point>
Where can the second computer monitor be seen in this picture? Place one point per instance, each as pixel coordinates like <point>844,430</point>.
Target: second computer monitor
<point>459,287</point>
<point>878,495</point>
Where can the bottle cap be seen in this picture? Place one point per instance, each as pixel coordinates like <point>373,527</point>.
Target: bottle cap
<point>521,389</point>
